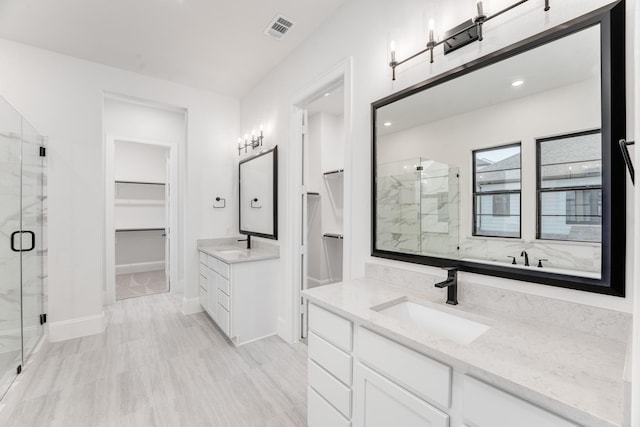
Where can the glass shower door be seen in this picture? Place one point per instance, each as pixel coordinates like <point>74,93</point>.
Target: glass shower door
<point>10,271</point>
<point>33,248</point>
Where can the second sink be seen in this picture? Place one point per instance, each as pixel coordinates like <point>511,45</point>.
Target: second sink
<point>433,321</point>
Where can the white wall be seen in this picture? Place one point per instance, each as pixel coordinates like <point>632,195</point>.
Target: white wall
<point>362,30</point>
<point>63,98</point>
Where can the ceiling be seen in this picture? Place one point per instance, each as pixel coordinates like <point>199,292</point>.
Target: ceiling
<point>210,44</point>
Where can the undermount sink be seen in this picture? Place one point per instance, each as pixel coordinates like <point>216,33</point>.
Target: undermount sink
<point>433,321</point>
<point>243,252</point>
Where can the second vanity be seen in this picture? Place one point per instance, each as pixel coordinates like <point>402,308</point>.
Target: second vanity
<point>238,288</point>
<point>371,362</point>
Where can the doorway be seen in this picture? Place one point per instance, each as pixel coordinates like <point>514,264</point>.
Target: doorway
<point>141,215</point>
<point>323,201</point>
<point>318,204</point>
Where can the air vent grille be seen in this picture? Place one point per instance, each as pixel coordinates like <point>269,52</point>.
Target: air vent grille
<point>279,27</point>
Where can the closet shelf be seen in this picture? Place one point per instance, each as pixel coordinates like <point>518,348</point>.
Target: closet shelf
<point>139,182</point>
<point>334,172</point>
<point>137,202</point>
<point>123,230</point>
<point>333,236</point>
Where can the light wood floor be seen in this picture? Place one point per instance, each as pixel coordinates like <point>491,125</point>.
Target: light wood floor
<point>154,366</point>
<point>133,285</point>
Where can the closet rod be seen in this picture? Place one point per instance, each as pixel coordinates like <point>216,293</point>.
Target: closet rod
<point>334,172</point>
<point>123,230</point>
<point>139,182</point>
<point>333,236</point>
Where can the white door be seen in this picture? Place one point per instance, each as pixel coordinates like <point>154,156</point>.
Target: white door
<point>382,403</point>
<point>304,308</point>
<point>167,221</point>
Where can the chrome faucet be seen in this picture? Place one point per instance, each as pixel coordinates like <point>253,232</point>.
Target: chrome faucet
<point>451,284</point>
<point>526,258</point>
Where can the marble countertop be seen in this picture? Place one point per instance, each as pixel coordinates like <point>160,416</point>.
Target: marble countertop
<point>233,254</point>
<point>571,373</point>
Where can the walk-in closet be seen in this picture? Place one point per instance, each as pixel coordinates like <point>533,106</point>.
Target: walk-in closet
<point>324,177</point>
<point>140,212</point>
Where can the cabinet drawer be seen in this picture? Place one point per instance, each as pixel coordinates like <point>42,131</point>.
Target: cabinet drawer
<point>203,281</point>
<point>203,258</point>
<point>321,414</point>
<point>212,263</point>
<point>484,405</point>
<point>222,319</point>
<point>425,377</point>
<point>333,328</point>
<point>330,388</point>
<point>223,285</point>
<point>203,270</point>
<point>223,269</point>
<point>223,299</point>
<point>203,297</point>
<point>382,403</point>
<point>331,358</point>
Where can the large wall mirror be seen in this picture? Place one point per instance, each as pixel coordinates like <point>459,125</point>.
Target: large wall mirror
<point>259,195</point>
<point>509,165</point>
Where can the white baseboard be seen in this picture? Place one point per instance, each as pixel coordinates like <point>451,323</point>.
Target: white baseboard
<point>140,267</point>
<point>191,306</point>
<point>76,328</point>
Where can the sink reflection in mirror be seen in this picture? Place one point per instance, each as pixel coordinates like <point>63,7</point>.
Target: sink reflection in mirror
<point>432,320</point>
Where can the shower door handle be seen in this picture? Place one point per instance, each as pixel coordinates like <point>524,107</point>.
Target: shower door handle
<point>13,240</point>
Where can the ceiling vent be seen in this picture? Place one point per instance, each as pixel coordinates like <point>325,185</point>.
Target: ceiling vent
<point>279,27</point>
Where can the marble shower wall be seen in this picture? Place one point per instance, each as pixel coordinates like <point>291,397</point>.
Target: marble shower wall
<point>417,208</point>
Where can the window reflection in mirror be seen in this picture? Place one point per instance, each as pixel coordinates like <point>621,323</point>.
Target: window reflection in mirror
<point>477,166</point>
<point>496,194</point>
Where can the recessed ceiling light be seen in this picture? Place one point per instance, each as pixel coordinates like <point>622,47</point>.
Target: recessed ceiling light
<point>387,124</point>
<point>517,83</point>
<point>327,94</point>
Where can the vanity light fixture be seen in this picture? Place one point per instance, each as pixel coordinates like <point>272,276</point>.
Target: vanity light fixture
<point>253,143</point>
<point>457,37</point>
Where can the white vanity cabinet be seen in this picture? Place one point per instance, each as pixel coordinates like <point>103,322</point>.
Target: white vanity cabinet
<point>486,406</point>
<point>360,378</point>
<point>241,298</point>
<point>396,385</point>
<point>330,374</point>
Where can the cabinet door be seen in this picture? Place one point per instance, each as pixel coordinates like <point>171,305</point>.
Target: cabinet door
<point>382,403</point>
<point>212,291</point>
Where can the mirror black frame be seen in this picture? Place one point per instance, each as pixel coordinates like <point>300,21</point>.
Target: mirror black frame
<point>613,109</point>
<point>273,236</point>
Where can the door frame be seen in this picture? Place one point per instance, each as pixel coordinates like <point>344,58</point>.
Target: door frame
<point>341,71</point>
<point>172,179</point>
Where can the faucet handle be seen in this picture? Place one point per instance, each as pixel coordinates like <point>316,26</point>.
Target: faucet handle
<point>540,262</point>
<point>513,259</point>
